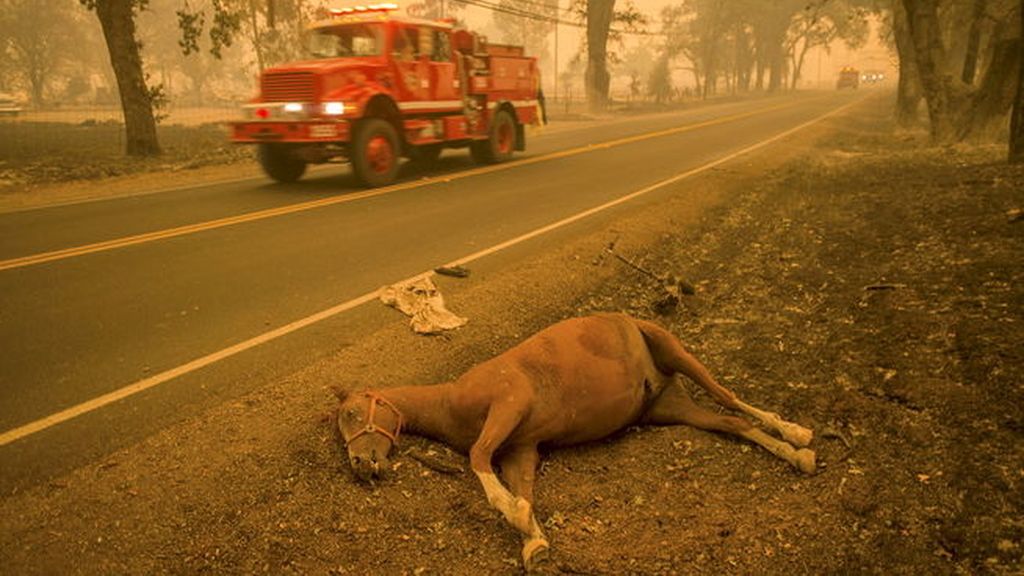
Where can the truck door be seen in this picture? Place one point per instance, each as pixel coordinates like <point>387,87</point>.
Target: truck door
<point>445,84</point>
<point>413,72</point>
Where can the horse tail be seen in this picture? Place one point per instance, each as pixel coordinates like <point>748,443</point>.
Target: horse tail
<point>671,358</point>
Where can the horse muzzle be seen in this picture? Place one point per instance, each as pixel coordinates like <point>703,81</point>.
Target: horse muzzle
<point>367,469</point>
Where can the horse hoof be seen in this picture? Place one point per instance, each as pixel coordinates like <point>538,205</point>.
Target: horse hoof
<point>799,436</point>
<point>805,461</point>
<point>535,554</point>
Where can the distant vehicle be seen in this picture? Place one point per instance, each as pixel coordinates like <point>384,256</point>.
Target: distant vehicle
<point>849,77</point>
<point>872,77</point>
<point>9,106</point>
<point>381,86</point>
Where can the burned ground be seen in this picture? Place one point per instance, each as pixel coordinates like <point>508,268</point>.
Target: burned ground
<point>857,281</point>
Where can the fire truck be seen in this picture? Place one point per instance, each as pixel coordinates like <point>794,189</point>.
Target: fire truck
<point>380,86</point>
<point>849,77</point>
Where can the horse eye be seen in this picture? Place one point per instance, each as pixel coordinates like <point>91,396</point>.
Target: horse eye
<point>350,414</point>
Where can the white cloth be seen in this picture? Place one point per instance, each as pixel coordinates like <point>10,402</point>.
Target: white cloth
<point>421,300</point>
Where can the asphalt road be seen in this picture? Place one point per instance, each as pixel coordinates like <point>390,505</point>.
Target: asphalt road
<point>187,273</point>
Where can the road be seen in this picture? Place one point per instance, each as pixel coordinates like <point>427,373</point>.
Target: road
<point>122,316</point>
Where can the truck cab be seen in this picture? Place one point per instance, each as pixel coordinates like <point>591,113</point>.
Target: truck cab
<point>378,86</point>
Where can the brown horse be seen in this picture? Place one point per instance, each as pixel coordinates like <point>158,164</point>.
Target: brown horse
<point>579,380</point>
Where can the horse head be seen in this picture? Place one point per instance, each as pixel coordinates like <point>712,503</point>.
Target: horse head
<point>369,426</point>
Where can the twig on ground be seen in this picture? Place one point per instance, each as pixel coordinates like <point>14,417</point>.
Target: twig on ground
<point>883,286</point>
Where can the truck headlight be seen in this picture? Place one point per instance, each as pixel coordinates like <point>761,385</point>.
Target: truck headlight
<point>293,107</point>
<point>333,108</point>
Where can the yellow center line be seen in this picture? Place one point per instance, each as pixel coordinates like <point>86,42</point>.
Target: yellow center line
<point>123,242</point>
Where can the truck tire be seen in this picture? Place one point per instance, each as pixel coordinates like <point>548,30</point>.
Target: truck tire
<point>374,153</point>
<point>500,143</point>
<point>280,163</point>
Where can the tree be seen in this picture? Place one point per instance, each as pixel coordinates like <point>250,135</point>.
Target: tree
<point>820,23</point>
<point>908,87</point>
<point>138,98</point>
<point>117,18</point>
<point>1016,155</point>
<point>973,42</point>
<point>36,54</point>
<point>599,16</point>
<point>520,30</point>
<point>596,78</point>
<point>955,109</point>
<point>660,84</point>
<point>770,22</point>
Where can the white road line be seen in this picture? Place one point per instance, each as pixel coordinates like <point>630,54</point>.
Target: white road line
<point>147,383</point>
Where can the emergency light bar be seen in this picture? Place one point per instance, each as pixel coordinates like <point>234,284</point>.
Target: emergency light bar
<point>385,7</point>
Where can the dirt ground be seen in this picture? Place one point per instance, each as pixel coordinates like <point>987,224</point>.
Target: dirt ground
<point>854,279</point>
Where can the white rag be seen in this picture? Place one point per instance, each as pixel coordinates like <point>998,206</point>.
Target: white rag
<point>421,299</point>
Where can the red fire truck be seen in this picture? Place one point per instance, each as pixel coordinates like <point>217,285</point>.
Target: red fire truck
<point>380,86</point>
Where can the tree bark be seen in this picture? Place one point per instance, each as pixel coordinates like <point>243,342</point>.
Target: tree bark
<point>973,43</point>
<point>117,18</point>
<point>923,20</point>
<point>597,79</point>
<point>908,93</point>
<point>798,64</point>
<point>997,89</point>
<point>1016,152</point>
<point>776,68</point>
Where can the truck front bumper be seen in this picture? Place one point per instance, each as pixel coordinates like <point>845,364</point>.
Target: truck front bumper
<point>296,132</point>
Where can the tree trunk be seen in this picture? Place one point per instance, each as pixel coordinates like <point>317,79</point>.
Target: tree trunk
<point>597,79</point>
<point>997,89</point>
<point>908,93</point>
<point>1016,155</point>
<point>973,43</point>
<point>776,69</point>
<point>798,64</point>
<point>257,38</point>
<point>118,22</point>
<point>922,17</point>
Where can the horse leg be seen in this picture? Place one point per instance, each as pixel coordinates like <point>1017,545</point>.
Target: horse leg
<point>502,419</point>
<point>794,433</point>
<point>670,357</point>
<point>674,406</point>
<point>519,469</point>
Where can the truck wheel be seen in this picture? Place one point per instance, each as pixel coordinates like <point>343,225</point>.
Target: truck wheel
<point>500,143</point>
<point>280,163</point>
<point>375,152</point>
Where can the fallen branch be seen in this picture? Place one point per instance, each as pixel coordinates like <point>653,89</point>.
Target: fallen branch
<point>673,286</point>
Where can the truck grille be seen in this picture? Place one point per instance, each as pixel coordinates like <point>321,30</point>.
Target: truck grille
<point>288,87</point>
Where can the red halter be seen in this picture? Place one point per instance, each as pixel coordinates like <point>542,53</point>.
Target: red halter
<point>372,427</point>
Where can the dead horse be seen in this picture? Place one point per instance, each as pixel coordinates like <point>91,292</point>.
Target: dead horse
<point>579,380</point>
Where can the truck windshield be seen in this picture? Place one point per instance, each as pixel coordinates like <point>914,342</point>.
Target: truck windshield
<point>346,41</point>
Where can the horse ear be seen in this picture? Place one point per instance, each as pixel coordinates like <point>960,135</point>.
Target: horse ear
<point>339,393</point>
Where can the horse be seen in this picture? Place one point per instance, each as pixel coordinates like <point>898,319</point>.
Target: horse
<point>579,380</point>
